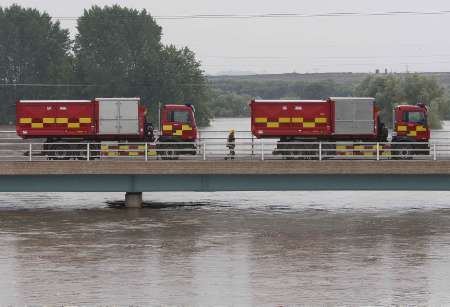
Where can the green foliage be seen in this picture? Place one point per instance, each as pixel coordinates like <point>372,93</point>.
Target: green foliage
<point>390,90</point>
<point>276,89</point>
<point>182,81</point>
<point>434,117</point>
<point>117,52</point>
<point>120,50</point>
<point>226,104</point>
<point>231,97</point>
<point>33,49</point>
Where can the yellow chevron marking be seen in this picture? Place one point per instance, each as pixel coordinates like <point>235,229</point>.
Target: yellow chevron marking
<point>73,125</point>
<point>297,120</point>
<point>62,120</point>
<point>421,129</point>
<point>141,147</point>
<point>309,125</point>
<point>124,147</point>
<point>402,128</point>
<point>133,153</point>
<point>85,120</point>
<point>167,127</point>
<point>341,147</point>
<point>37,125</point>
<point>104,147</point>
<point>48,120</point>
<point>359,147</point>
<point>178,132</point>
<point>273,125</point>
<point>320,120</point>
<point>261,120</point>
<point>284,120</point>
<point>412,133</point>
<point>152,153</point>
<point>186,128</point>
<point>26,120</point>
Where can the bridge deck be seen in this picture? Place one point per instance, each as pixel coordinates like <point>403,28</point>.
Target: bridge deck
<point>226,168</point>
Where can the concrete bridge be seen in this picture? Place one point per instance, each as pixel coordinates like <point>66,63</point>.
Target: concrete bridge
<point>156,176</point>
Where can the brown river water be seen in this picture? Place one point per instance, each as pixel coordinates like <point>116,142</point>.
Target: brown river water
<point>246,248</point>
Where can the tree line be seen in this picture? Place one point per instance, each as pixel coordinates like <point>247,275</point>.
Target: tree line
<point>117,51</point>
<point>388,90</point>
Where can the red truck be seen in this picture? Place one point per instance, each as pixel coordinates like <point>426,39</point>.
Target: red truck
<point>70,124</point>
<point>337,119</point>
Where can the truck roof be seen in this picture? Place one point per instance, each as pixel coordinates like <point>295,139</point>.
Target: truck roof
<point>411,107</point>
<point>54,101</point>
<point>286,101</point>
<point>118,98</point>
<point>180,106</point>
<point>352,98</point>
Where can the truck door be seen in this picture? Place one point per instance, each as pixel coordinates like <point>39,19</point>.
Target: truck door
<point>118,116</point>
<point>412,124</point>
<point>179,123</point>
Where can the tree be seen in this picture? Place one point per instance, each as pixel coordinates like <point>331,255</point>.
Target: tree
<point>183,81</point>
<point>228,104</point>
<point>33,49</point>
<point>119,50</point>
<point>420,89</point>
<point>391,90</point>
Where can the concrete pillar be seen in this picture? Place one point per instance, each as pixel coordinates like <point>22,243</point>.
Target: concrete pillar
<point>133,200</point>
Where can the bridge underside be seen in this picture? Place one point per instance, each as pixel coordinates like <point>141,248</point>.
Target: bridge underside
<point>207,183</point>
<point>117,176</point>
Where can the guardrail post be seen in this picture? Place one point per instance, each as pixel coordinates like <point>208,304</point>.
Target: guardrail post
<point>253,146</point>
<point>88,152</point>
<point>378,151</point>
<point>204,151</point>
<point>434,152</point>
<point>262,150</point>
<point>320,151</point>
<point>146,151</point>
<point>30,152</point>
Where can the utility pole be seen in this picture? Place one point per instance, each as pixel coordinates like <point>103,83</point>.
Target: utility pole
<point>159,117</point>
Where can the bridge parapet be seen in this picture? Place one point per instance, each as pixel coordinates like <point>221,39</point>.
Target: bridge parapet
<point>355,167</point>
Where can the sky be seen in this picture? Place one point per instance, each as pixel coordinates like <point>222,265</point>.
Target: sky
<point>398,43</point>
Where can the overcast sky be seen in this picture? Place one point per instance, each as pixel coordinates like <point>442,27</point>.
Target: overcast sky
<point>278,45</point>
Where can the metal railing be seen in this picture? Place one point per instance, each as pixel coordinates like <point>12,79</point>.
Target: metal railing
<point>212,145</point>
<point>245,149</point>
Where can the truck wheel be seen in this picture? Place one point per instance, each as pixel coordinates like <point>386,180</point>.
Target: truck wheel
<point>405,152</point>
<point>61,152</point>
<point>59,155</point>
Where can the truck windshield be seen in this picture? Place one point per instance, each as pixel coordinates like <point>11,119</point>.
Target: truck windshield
<point>414,117</point>
<point>179,117</point>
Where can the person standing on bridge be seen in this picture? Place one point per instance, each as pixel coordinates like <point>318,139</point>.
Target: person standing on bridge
<point>231,144</point>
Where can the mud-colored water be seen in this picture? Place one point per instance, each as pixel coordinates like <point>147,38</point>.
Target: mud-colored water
<point>232,249</point>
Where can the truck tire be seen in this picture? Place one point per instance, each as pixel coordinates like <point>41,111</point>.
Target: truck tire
<point>403,152</point>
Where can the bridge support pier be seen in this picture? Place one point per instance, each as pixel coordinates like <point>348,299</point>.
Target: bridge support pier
<point>133,200</point>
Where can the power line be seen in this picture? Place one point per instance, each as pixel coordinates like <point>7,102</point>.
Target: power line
<point>65,85</point>
<point>45,85</point>
<point>302,15</point>
<point>322,57</point>
<point>62,85</point>
<point>275,15</point>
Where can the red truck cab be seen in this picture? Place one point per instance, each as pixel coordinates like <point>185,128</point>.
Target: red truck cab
<point>410,124</point>
<point>178,123</point>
